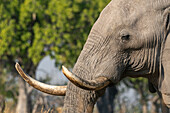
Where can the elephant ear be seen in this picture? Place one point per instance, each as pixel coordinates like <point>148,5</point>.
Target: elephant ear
<point>164,80</point>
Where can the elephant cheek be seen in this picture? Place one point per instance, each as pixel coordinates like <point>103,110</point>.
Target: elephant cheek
<point>112,72</point>
<point>166,99</point>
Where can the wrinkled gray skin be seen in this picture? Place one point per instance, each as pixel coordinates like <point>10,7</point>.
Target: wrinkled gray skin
<point>130,38</point>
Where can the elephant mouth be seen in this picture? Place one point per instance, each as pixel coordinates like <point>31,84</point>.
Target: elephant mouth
<point>95,85</point>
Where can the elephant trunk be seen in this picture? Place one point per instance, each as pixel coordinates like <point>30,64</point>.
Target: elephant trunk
<point>78,100</point>
<point>86,75</point>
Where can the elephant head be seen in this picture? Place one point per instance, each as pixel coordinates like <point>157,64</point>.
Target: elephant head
<point>130,38</point>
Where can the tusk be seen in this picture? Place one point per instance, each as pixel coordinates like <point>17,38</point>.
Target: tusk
<point>50,89</point>
<point>97,84</point>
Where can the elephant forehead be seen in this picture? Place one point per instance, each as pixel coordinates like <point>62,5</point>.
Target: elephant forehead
<point>118,13</point>
<point>110,18</point>
<point>133,10</point>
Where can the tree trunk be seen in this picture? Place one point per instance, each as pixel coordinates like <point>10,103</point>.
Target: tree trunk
<point>105,103</point>
<point>155,103</point>
<point>2,104</point>
<point>143,98</point>
<point>122,108</point>
<point>144,108</point>
<point>24,103</point>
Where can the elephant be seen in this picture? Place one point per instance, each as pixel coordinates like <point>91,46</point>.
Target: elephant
<point>130,38</point>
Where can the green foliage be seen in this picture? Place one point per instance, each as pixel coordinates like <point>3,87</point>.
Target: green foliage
<point>32,29</point>
<point>71,21</point>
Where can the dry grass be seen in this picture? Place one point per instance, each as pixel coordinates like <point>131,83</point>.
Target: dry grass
<point>59,110</point>
<point>9,109</point>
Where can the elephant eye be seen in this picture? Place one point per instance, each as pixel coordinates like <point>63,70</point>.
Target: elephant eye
<point>125,37</point>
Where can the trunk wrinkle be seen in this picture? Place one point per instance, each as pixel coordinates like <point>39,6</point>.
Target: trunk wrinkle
<point>78,100</point>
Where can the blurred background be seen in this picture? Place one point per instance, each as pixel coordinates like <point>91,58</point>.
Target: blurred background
<point>42,35</point>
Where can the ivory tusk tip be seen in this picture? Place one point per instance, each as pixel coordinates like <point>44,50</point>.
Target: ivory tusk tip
<point>64,69</point>
<point>66,72</point>
<point>17,65</point>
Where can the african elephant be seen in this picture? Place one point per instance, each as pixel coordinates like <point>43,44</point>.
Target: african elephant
<point>130,39</point>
